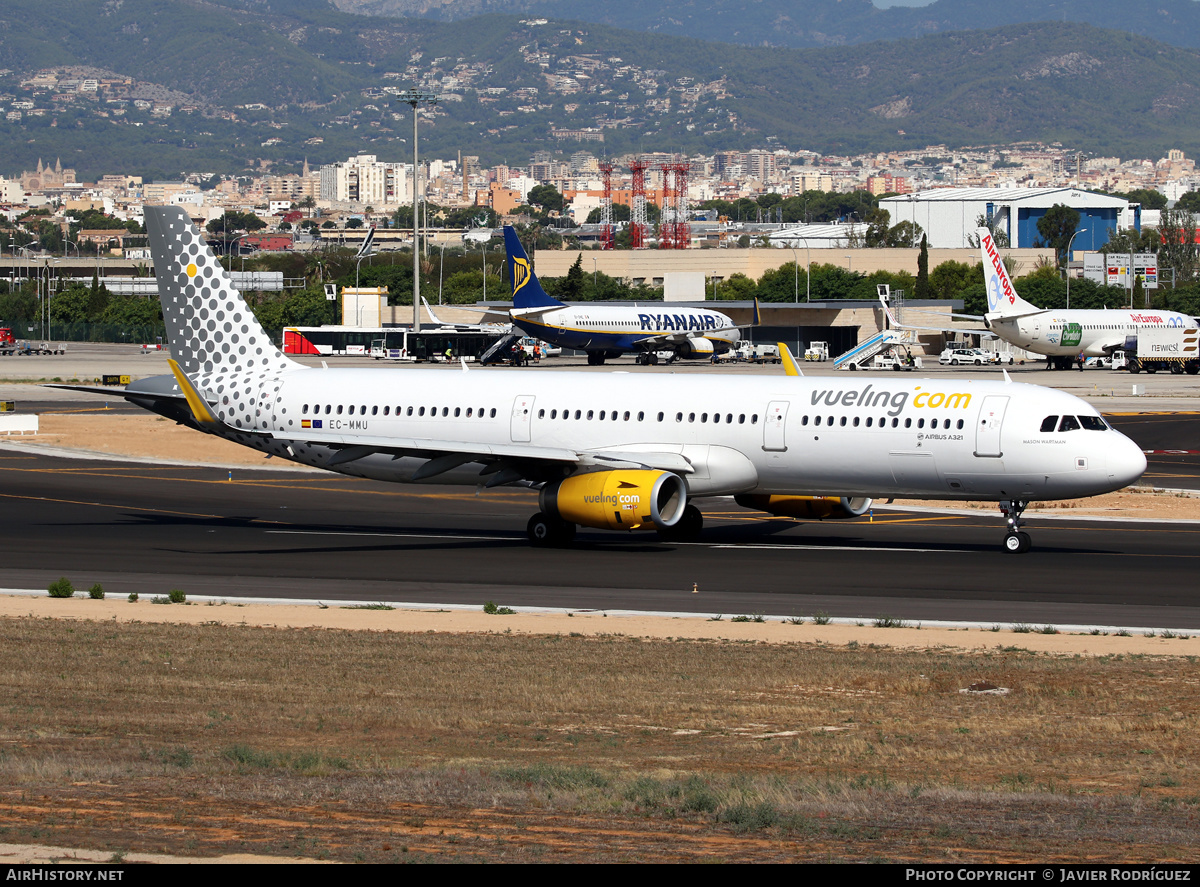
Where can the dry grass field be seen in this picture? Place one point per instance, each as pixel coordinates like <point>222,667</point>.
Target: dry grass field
<point>380,746</point>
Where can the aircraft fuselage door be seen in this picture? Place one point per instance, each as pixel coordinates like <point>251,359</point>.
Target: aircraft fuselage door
<point>775,426</point>
<point>522,418</point>
<point>987,427</point>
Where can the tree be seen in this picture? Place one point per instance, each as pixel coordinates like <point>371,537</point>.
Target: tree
<point>1131,240</point>
<point>877,228</point>
<point>620,213</point>
<point>1056,228</point>
<point>1147,197</point>
<point>922,290</point>
<point>546,197</point>
<point>1189,201</point>
<point>904,234</point>
<point>1177,228</point>
<point>999,235</point>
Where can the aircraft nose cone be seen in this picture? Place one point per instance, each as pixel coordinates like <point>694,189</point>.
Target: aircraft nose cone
<point>1126,462</point>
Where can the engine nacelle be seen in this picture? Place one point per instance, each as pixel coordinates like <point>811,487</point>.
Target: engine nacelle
<point>617,500</point>
<point>697,347</point>
<point>809,507</point>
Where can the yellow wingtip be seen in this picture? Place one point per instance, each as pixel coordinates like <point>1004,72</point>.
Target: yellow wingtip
<point>789,363</point>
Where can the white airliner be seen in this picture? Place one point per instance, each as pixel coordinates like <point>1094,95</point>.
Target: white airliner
<point>1060,334</point>
<point>605,331</point>
<point>619,451</point>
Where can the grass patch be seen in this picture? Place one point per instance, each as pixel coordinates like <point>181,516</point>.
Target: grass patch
<point>286,741</point>
<point>492,609</point>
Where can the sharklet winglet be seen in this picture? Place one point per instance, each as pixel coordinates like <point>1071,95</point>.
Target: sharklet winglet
<point>201,411</point>
<point>789,363</point>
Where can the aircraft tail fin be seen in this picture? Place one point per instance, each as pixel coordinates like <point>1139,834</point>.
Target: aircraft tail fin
<point>1001,294</point>
<point>527,292</point>
<point>211,329</point>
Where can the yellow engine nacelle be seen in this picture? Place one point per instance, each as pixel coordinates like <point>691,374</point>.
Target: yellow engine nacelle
<point>809,507</point>
<point>617,500</point>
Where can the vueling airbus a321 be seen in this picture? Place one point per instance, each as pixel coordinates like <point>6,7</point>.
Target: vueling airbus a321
<point>620,451</point>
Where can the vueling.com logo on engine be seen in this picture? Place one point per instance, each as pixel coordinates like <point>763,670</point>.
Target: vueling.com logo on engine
<point>624,501</point>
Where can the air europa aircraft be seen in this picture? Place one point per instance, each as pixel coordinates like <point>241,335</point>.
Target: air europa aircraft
<point>619,451</point>
<point>1060,334</point>
<point>605,331</point>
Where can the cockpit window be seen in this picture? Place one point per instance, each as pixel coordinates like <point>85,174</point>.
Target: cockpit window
<point>1093,423</point>
<point>1068,423</point>
<point>1049,423</point>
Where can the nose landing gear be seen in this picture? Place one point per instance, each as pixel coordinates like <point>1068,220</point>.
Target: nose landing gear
<point>1016,541</point>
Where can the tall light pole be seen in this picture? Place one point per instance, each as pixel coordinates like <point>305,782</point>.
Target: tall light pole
<point>413,98</point>
<point>1068,269</point>
<point>807,271</point>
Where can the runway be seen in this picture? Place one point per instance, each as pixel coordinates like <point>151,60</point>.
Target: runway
<point>144,528</point>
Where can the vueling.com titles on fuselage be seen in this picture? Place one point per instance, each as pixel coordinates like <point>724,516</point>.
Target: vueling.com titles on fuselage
<point>867,398</point>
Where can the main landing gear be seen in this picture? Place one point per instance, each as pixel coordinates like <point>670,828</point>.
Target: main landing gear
<point>1016,541</point>
<point>686,529</point>
<point>545,531</point>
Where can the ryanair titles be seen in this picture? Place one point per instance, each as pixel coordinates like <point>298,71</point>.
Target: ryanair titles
<point>867,397</point>
<point>677,322</point>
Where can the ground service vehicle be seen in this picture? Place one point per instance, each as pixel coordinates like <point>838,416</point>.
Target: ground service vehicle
<point>1171,349</point>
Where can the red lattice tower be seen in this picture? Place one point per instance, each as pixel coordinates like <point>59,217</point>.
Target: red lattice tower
<point>676,233</point>
<point>607,229</point>
<point>638,229</point>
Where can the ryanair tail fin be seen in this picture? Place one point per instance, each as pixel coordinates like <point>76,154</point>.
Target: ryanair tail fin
<point>527,292</point>
<point>211,329</point>
<point>1001,294</point>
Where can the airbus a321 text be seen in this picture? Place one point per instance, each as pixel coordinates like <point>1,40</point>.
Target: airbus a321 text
<point>605,331</point>
<point>619,451</point>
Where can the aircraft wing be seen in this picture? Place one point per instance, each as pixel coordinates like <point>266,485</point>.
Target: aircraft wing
<point>503,462</point>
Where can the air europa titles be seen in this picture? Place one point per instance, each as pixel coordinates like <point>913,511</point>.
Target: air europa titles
<point>868,398</point>
<point>994,257</point>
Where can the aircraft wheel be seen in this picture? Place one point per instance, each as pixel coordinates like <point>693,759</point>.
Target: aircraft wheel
<point>687,529</point>
<point>548,532</point>
<point>1017,543</point>
<point>652,359</point>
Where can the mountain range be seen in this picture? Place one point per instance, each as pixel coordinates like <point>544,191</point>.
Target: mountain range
<point>222,85</point>
<point>811,23</point>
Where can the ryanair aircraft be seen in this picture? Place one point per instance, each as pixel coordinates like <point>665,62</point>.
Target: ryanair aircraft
<point>605,331</point>
<point>619,451</point>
